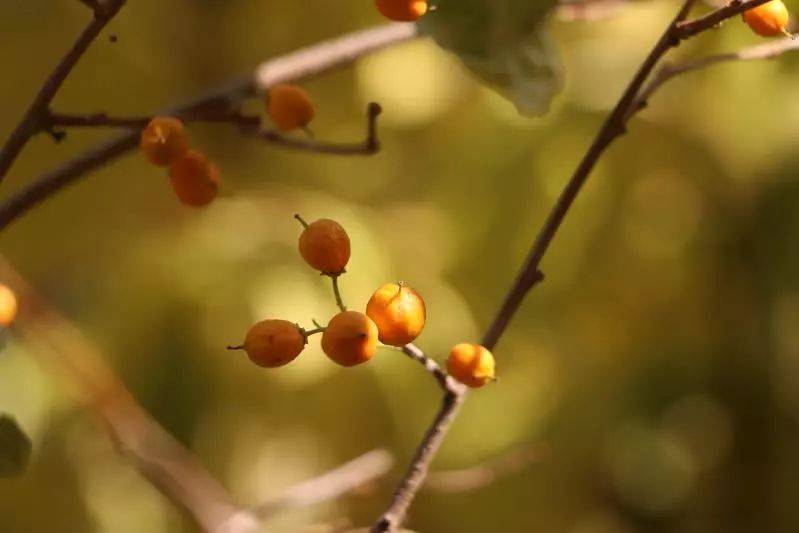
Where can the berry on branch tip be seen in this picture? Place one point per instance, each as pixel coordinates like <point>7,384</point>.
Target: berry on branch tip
<point>272,343</point>
<point>402,10</point>
<point>8,306</point>
<point>769,19</point>
<point>471,364</point>
<point>163,140</point>
<point>289,107</point>
<point>325,246</point>
<point>194,179</point>
<point>350,338</point>
<point>399,313</point>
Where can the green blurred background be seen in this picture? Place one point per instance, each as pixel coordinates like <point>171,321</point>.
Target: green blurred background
<point>658,366</point>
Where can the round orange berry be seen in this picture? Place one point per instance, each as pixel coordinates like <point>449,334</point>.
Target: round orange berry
<point>272,343</point>
<point>769,19</point>
<point>350,338</point>
<point>402,10</point>
<point>325,246</point>
<point>471,364</point>
<point>399,313</point>
<point>163,140</point>
<point>194,179</point>
<point>8,306</point>
<point>289,107</point>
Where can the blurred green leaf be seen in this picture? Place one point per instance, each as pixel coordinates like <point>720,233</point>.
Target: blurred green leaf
<point>504,43</point>
<point>15,448</point>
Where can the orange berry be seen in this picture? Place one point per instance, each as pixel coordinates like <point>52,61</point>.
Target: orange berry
<point>769,19</point>
<point>325,246</point>
<point>8,306</point>
<point>272,343</point>
<point>163,140</point>
<point>289,107</point>
<point>194,179</point>
<point>471,364</point>
<point>399,313</point>
<point>350,338</point>
<point>402,10</point>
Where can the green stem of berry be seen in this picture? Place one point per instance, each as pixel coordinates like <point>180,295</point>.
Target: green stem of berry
<point>302,221</point>
<point>337,293</point>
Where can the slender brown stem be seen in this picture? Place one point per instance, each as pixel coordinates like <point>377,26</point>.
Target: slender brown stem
<point>34,119</point>
<point>689,28</point>
<point>337,292</point>
<point>444,380</point>
<point>368,146</point>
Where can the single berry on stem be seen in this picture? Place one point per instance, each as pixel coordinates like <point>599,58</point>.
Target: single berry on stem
<point>399,313</point>
<point>8,306</point>
<point>402,10</point>
<point>324,245</point>
<point>471,364</point>
<point>289,107</point>
<point>769,19</point>
<point>272,343</point>
<point>350,338</point>
<point>194,179</point>
<point>163,140</point>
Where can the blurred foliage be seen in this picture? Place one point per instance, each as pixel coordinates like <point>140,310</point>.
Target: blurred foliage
<point>659,362</point>
<point>15,447</point>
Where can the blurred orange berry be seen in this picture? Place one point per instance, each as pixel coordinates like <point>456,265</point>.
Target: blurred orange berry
<point>471,364</point>
<point>325,246</point>
<point>163,140</point>
<point>769,19</point>
<point>402,10</point>
<point>289,107</point>
<point>399,313</point>
<point>194,179</point>
<point>8,306</point>
<point>272,343</point>
<point>350,338</point>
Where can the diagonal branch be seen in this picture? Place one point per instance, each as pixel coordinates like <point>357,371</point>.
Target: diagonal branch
<point>34,119</point>
<point>447,383</point>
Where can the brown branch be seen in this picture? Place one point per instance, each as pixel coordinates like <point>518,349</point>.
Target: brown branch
<point>331,485</point>
<point>689,28</point>
<point>484,474</point>
<point>160,459</point>
<point>446,382</point>
<point>34,119</point>
<point>103,120</point>
<point>669,71</point>
<point>370,145</point>
<point>303,64</point>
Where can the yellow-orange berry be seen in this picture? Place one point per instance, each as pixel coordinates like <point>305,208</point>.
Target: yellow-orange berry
<point>471,364</point>
<point>8,306</point>
<point>402,10</point>
<point>399,313</point>
<point>325,246</point>
<point>289,107</point>
<point>272,343</point>
<point>769,19</point>
<point>163,140</point>
<point>194,179</point>
<point>350,338</point>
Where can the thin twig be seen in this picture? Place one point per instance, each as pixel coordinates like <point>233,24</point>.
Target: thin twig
<point>484,474</point>
<point>669,71</point>
<point>689,28</point>
<point>333,484</point>
<point>158,456</point>
<point>370,145</point>
<point>444,380</point>
<point>299,65</point>
<point>337,292</point>
<point>34,119</point>
<point>104,120</point>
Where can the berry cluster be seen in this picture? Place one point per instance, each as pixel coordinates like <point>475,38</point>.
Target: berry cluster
<point>194,178</point>
<point>395,316</point>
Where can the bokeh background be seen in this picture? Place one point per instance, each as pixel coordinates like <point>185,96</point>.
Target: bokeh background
<point>657,368</point>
